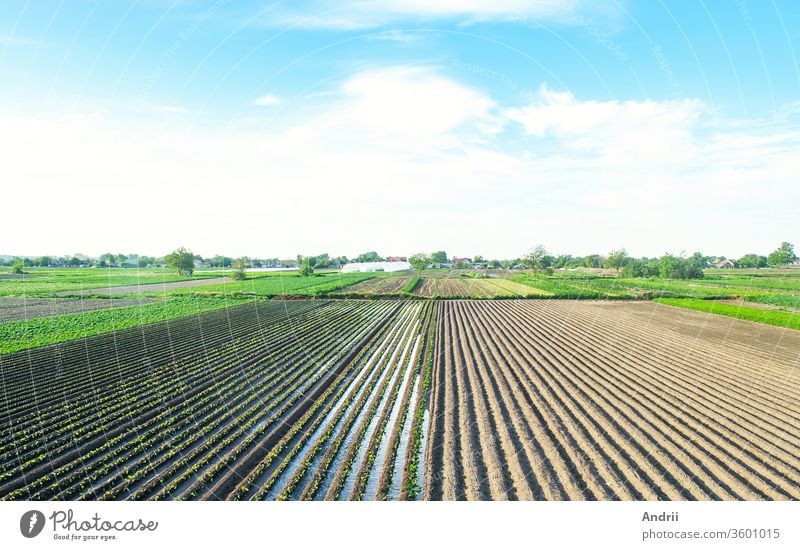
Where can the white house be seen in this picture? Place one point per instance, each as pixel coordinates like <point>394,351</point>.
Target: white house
<point>723,264</point>
<point>363,267</point>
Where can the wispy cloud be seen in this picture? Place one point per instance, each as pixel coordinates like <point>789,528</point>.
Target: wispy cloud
<point>268,100</point>
<point>370,13</point>
<point>174,109</point>
<point>395,35</point>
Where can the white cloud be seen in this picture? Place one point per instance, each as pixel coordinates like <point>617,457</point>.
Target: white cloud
<point>395,35</point>
<point>642,131</point>
<point>174,109</point>
<point>267,101</point>
<point>370,13</point>
<point>403,159</point>
<point>406,107</point>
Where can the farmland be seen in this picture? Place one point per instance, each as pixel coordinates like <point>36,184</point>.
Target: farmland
<point>46,282</point>
<point>270,386</point>
<point>40,331</point>
<point>604,400</point>
<point>65,318</point>
<point>408,399</point>
<point>20,309</point>
<point>468,287</point>
<point>379,286</point>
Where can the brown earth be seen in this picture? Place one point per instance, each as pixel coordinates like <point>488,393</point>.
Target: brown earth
<point>379,285</point>
<point>607,400</point>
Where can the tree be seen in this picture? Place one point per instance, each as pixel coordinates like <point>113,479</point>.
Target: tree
<point>478,259</point>
<point>221,261</point>
<point>439,257</point>
<point>593,260</point>
<point>616,259</point>
<point>783,255</point>
<point>634,268</point>
<point>18,266</point>
<point>561,261</point>
<point>753,261</point>
<point>693,266</point>
<point>419,261</point>
<point>106,260</point>
<point>535,259</point>
<point>668,266</point>
<point>145,261</point>
<point>306,269</point>
<point>677,267</point>
<point>322,261</point>
<point>495,264</point>
<point>369,257</point>
<point>181,260</point>
<point>239,267</point>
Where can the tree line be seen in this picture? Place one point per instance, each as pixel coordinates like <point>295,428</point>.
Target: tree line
<point>670,266</point>
<point>538,260</point>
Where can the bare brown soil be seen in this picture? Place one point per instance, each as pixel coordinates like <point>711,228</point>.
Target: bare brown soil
<point>472,287</point>
<point>379,285</point>
<point>587,400</point>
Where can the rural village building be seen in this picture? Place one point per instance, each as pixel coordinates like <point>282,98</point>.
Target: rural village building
<point>363,267</point>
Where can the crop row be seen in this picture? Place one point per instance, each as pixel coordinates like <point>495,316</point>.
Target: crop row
<point>164,396</point>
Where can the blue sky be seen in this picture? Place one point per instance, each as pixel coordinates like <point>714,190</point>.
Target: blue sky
<point>276,128</point>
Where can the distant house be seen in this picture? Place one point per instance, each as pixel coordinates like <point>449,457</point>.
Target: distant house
<point>396,258</point>
<point>363,267</point>
<point>462,260</point>
<point>796,263</point>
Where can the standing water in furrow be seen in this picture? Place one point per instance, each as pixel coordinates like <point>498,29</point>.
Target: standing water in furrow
<point>336,463</point>
<point>421,454</point>
<point>364,443</point>
<point>400,456</point>
<point>364,371</point>
<point>371,488</point>
<point>303,387</point>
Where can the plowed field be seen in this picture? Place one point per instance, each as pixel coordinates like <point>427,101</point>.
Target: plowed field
<point>601,400</point>
<point>408,399</point>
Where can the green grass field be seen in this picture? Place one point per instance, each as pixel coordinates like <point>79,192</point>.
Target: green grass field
<point>778,318</point>
<point>790,301</point>
<point>40,282</point>
<point>42,331</point>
